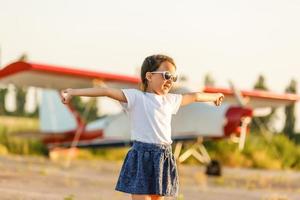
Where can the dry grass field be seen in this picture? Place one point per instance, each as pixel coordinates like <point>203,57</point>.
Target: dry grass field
<point>29,178</point>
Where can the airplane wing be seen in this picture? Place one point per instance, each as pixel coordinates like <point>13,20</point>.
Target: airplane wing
<point>47,76</point>
<point>256,98</point>
<point>56,77</point>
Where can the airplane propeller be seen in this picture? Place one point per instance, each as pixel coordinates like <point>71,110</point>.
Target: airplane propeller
<point>263,129</point>
<point>245,121</point>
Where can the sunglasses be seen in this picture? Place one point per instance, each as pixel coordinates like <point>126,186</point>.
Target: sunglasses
<point>167,75</point>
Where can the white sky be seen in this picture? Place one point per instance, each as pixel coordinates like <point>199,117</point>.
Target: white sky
<point>233,39</point>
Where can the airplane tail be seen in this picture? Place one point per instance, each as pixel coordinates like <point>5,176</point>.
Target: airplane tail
<point>55,117</point>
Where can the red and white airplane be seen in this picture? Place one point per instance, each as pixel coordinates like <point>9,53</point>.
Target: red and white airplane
<point>62,125</point>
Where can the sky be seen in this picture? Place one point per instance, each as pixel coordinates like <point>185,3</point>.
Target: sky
<point>231,40</point>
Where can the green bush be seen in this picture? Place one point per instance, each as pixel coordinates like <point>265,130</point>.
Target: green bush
<point>19,124</point>
<point>277,153</point>
<point>285,150</point>
<point>16,145</point>
<point>3,150</point>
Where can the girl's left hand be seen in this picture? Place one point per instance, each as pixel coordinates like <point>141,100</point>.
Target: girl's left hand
<point>219,99</point>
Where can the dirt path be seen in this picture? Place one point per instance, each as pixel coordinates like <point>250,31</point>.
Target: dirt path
<point>38,178</point>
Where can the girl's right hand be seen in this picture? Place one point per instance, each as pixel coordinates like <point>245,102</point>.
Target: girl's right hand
<point>219,99</point>
<point>66,95</point>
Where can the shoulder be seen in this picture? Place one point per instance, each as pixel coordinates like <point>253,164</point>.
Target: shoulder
<point>132,93</point>
<point>132,96</point>
<point>175,101</point>
<point>132,90</point>
<point>173,97</point>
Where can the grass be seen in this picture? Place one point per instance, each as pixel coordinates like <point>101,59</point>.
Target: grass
<point>277,153</point>
<point>18,124</point>
<point>15,145</point>
<point>10,143</point>
<point>111,153</point>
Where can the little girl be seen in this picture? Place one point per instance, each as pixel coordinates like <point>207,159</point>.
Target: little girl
<point>149,171</point>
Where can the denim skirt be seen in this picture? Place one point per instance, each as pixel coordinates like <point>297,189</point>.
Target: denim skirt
<point>149,169</point>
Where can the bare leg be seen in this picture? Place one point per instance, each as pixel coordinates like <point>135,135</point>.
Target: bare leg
<point>147,197</point>
<point>156,197</point>
<point>140,197</point>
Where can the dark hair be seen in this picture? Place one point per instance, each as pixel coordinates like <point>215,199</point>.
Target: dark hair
<point>151,64</point>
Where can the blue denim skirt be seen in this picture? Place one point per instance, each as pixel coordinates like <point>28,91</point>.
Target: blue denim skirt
<point>149,169</point>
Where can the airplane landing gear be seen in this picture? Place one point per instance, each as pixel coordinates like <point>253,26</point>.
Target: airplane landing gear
<point>198,151</point>
<point>214,168</point>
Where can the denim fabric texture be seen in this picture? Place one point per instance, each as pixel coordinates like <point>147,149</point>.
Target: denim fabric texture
<point>149,169</point>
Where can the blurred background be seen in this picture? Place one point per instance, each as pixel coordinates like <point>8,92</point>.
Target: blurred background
<point>238,40</point>
<point>253,43</point>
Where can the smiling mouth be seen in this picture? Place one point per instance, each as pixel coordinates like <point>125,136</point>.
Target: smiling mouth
<point>166,87</point>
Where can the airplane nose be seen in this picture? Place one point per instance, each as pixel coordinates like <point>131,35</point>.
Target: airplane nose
<point>234,116</point>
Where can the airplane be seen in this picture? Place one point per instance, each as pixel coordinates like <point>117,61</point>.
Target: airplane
<point>63,126</point>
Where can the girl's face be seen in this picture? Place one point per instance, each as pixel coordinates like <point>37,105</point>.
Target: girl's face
<point>156,82</point>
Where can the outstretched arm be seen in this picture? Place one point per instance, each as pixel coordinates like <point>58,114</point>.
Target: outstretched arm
<point>188,98</point>
<point>113,93</point>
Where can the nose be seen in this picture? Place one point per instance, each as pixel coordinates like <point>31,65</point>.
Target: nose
<point>169,82</point>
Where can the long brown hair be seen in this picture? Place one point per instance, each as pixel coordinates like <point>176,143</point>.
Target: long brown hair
<point>151,64</point>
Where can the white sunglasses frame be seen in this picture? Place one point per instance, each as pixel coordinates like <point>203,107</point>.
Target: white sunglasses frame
<point>164,75</point>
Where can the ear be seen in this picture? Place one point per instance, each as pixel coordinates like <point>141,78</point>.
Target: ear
<point>149,76</point>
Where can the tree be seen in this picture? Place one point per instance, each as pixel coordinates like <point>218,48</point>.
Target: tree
<point>183,78</point>
<point>35,113</point>
<point>3,92</point>
<point>208,80</point>
<point>260,84</point>
<point>81,107</point>
<point>20,101</point>
<point>290,119</point>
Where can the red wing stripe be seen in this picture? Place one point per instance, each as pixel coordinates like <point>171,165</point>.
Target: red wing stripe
<point>255,93</point>
<point>22,66</point>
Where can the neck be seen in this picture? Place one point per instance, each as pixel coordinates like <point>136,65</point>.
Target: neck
<point>149,90</point>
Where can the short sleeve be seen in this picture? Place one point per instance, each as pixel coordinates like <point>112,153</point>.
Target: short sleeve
<point>130,95</point>
<point>175,101</point>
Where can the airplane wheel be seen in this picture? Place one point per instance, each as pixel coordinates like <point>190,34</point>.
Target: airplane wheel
<point>214,168</point>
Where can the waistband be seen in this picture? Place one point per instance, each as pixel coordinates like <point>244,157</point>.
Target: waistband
<point>151,146</point>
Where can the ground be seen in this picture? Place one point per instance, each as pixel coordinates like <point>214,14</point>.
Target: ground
<point>39,178</point>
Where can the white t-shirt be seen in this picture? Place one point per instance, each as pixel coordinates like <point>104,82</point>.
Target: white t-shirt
<point>150,115</point>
